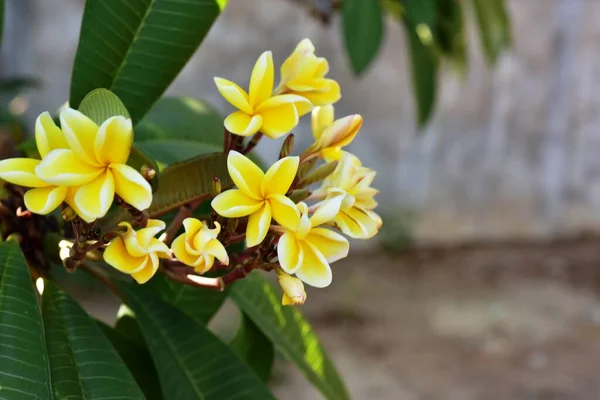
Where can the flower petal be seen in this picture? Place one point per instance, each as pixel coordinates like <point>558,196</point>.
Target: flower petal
<point>234,94</point>
<point>284,212</point>
<point>159,248</point>
<point>327,210</point>
<point>276,102</point>
<point>148,271</point>
<point>331,96</point>
<point>243,124</point>
<point>180,251</point>
<point>262,79</point>
<point>21,171</point>
<point>114,140</point>
<point>70,200</point>
<point>96,197</point>
<point>321,118</point>
<point>48,136</point>
<point>145,235</point>
<point>258,225</point>
<point>45,200</point>
<point>80,133</point>
<point>341,132</point>
<point>192,226</point>
<point>279,176</point>
<point>131,186</point>
<point>289,253</point>
<point>279,121</point>
<point>291,65</point>
<point>63,167</point>
<point>331,244</point>
<point>234,204</point>
<point>293,289</point>
<point>315,270</point>
<point>217,250</point>
<point>246,175</point>
<point>116,255</point>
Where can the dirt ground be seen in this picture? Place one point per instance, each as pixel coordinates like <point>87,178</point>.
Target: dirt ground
<point>497,322</point>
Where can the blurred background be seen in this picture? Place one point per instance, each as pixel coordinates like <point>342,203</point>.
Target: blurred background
<point>483,282</point>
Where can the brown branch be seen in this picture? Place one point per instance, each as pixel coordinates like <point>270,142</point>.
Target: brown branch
<point>253,142</point>
<point>195,280</point>
<point>185,211</point>
<point>238,273</point>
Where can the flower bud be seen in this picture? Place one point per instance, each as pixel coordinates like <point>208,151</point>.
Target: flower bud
<point>68,214</point>
<point>287,146</point>
<point>318,174</point>
<point>148,172</point>
<point>340,133</point>
<point>216,188</point>
<point>293,289</point>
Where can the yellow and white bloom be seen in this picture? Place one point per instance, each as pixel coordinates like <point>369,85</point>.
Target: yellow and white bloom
<point>44,197</point>
<point>352,181</point>
<point>331,135</point>
<point>137,253</point>
<point>303,73</point>
<point>293,289</point>
<point>306,249</point>
<point>259,110</point>
<point>259,195</point>
<point>198,246</point>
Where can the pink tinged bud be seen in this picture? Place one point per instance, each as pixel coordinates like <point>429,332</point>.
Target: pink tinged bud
<point>341,132</point>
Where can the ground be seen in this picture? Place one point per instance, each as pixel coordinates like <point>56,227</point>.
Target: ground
<point>493,322</point>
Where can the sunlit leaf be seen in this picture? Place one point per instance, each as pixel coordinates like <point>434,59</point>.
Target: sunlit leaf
<point>254,348</point>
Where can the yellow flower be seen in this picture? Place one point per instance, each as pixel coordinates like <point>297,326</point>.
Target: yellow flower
<point>137,252</point>
<point>293,289</point>
<point>303,73</point>
<point>352,181</point>
<point>44,197</point>
<point>94,162</point>
<point>198,246</point>
<point>259,110</point>
<point>331,136</point>
<point>306,250</point>
<point>259,195</point>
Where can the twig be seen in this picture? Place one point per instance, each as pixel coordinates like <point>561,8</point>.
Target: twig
<point>195,280</point>
<point>185,211</point>
<point>238,273</point>
<point>253,142</point>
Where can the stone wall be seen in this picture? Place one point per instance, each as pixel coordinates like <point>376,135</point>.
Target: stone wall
<point>511,152</point>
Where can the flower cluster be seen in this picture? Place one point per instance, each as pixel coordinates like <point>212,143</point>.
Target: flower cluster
<point>293,217</point>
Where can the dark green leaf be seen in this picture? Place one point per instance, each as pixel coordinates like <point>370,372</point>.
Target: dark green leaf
<point>136,357</point>
<point>173,150</point>
<point>424,68</point>
<point>420,12</point>
<point>187,181</point>
<point>363,31</point>
<point>136,48</point>
<point>24,372</point>
<point>199,303</point>
<point>192,363</point>
<point>494,27</point>
<point>16,84</point>
<point>254,348</point>
<point>451,33</point>
<point>291,334</point>
<point>83,364</point>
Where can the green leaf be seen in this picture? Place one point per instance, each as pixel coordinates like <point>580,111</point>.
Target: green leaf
<point>254,348</point>
<point>136,48</point>
<point>424,68</point>
<point>24,372</point>
<point>451,34</point>
<point>172,151</point>
<point>363,25</point>
<point>187,181</point>
<point>83,364</point>
<point>199,303</point>
<point>137,358</point>
<point>192,362</point>
<point>420,12</point>
<point>291,334</point>
<point>494,27</point>
<point>101,104</point>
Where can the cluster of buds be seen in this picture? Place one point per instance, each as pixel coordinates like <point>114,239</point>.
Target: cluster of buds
<point>292,217</point>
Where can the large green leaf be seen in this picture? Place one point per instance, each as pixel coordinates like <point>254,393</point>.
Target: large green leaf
<point>199,303</point>
<point>24,370</point>
<point>424,69</point>
<point>291,334</point>
<point>451,33</point>
<point>188,181</point>
<point>137,358</point>
<point>251,344</point>
<point>136,48</point>
<point>363,31</point>
<point>83,364</point>
<point>192,362</point>
<point>494,27</point>
<point>420,12</point>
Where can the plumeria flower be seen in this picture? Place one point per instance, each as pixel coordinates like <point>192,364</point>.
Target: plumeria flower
<point>352,181</point>
<point>44,197</point>
<point>306,250</point>
<point>198,246</point>
<point>259,110</point>
<point>293,289</point>
<point>259,195</point>
<point>137,253</point>
<point>330,136</point>
<point>94,162</point>
<point>303,73</point>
